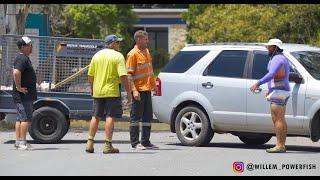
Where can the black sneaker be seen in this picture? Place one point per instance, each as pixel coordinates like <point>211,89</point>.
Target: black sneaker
<point>151,146</point>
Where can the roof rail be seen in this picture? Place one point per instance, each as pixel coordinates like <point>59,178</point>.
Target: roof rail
<point>227,43</point>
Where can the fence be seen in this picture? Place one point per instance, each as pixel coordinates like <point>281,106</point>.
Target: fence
<point>60,63</point>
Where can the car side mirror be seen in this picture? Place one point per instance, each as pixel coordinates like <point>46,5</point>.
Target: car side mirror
<point>295,77</point>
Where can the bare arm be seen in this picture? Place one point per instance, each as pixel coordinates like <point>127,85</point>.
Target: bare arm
<point>125,82</point>
<point>90,79</point>
<point>135,92</point>
<point>17,81</point>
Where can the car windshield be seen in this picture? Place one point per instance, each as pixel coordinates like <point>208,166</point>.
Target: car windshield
<point>310,60</point>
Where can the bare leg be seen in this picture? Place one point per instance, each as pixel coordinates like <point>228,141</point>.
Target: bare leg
<point>93,128</point>
<point>108,148</point>
<point>94,123</point>
<point>109,128</point>
<point>278,118</point>
<point>18,127</point>
<point>24,126</point>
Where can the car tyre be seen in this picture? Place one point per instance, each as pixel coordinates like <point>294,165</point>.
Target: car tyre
<point>193,127</point>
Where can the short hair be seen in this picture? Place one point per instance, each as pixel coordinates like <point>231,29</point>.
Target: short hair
<point>139,33</point>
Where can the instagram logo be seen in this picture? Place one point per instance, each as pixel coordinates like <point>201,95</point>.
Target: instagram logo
<point>238,167</point>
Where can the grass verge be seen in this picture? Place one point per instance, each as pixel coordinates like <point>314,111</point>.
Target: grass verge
<point>84,125</point>
<point>119,126</point>
<point>5,126</point>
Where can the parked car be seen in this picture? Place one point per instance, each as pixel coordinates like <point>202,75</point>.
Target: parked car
<point>204,90</point>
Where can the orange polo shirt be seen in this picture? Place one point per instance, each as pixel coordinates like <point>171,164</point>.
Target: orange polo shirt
<point>139,65</point>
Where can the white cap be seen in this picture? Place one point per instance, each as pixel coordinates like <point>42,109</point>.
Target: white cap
<point>275,42</point>
<point>26,39</point>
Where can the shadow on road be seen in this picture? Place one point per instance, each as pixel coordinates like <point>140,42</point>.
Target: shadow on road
<point>74,142</point>
<point>48,149</point>
<point>137,152</point>
<point>290,148</point>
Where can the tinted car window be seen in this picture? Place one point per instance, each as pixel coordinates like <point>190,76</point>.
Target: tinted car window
<point>183,61</point>
<point>310,60</point>
<point>260,64</point>
<point>228,64</point>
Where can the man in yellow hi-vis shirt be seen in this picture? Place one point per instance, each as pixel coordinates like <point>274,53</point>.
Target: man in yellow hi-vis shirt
<point>140,71</point>
<point>106,68</point>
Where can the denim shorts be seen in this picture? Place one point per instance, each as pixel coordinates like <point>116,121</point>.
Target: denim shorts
<point>280,102</point>
<point>24,111</point>
<point>107,107</point>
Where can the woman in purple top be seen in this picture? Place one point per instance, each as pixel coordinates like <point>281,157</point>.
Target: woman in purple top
<point>277,79</point>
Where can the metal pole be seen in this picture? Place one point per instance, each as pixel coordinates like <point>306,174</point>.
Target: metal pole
<point>12,20</point>
<point>2,20</point>
<point>54,64</point>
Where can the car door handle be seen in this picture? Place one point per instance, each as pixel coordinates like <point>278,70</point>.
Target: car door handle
<point>257,91</point>
<point>207,85</point>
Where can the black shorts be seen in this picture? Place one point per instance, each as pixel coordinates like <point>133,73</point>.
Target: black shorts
<point>24,111</point>
<point>107,107</point>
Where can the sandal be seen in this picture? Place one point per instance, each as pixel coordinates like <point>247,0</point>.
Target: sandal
<point>276,150</point>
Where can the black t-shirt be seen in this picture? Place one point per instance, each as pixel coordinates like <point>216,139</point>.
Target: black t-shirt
<point>28,79</point>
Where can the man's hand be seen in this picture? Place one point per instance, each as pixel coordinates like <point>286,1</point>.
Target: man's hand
<point>155,90</point>
<point>136,95</point>
<point>129,97</point>
<point>22,90</point>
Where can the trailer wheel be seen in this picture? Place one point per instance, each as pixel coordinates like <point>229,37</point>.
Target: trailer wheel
<point>49,125</point>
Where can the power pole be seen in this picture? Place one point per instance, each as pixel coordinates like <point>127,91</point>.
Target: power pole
<point>12,18</point>
<point>2,20</point>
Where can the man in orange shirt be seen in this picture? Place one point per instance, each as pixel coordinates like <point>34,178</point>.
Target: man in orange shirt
<point>140,73</point>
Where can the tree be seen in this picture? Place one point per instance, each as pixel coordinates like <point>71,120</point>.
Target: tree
<point>57,23</point>
<point>253,23</point>
<point>160,6</point>
<point>16,15</point>
<point>300,23</point>
<point>191,15</point>
<point>98,20</point>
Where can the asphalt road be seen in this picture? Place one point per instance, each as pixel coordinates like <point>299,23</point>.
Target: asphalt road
<point>225,153</point>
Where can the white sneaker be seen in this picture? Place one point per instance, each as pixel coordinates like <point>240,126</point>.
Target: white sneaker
<point>139,147</point>
<point>25,147</point>
<point>16,145</point>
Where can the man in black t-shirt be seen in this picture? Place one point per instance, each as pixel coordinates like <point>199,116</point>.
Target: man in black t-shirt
<point>24,91</point>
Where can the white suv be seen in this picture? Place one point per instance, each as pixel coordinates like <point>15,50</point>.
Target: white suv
<point>204,90</point>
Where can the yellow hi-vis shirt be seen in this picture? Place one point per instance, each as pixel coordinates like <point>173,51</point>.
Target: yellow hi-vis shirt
<point>107,66</point>
<point>139,65</point>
